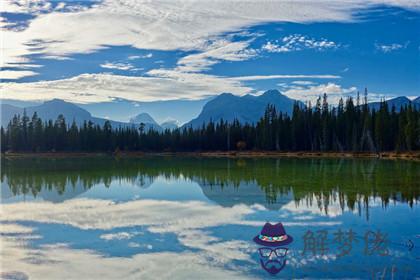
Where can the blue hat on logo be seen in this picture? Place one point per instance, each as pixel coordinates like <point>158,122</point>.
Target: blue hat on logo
<point>273,236</point>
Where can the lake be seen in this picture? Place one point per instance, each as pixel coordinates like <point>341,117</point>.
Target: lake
<point>196,218</point>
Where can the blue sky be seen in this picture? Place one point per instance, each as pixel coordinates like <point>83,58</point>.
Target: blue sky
<point>97,51</point>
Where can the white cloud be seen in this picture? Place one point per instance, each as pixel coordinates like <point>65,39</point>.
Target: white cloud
<point>391,47</point>
<point>25,6</point>
<point>132,57</point>
<point>57,57</point>
<point>117,66</point>
<point>14,228</point>
<point>60,6</point>
<point>14,75</point>
<point>269,77</point>
<point>304,91</point>
<point>26,66</point>
<point>312,92</point>
<point>303,83</point>
<point>160,84</point>
<point>219,50</point>
<point>298,42</point>
<point>117,236</point>
<point>273,47</point>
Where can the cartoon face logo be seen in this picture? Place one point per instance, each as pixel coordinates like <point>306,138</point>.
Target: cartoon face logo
<point>272,250</point>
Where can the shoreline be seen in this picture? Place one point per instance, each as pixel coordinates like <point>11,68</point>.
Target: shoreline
<point>232,154</point>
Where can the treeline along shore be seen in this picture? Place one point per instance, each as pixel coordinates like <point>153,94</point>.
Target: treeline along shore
<point>349,128</point>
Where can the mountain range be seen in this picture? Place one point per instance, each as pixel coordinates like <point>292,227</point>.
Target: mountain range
<point>246,109</point>
<point>123,110</point>
<point>50,110</point>
<point>161,110</point>
<point>396,102</point>
<point>226,106</point>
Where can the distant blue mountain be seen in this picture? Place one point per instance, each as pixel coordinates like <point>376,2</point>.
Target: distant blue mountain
<point>147,120</point>
<point>7,113</point>
<point>246,109</point>
<point>398,102</point>
<point>50,110</point>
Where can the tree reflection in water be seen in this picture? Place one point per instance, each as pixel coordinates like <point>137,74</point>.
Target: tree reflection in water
<point>350,182</point>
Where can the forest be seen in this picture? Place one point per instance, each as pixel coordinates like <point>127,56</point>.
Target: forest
<point>348,127</point>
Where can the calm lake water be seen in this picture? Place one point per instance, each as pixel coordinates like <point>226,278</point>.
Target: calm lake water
<point>178,218</point>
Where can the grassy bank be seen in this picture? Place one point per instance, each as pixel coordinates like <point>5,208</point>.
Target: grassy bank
<point>233,154</point>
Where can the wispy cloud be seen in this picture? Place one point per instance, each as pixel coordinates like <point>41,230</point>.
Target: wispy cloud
<point>298,42</point>
<point>391,47</point>
<point>12,6</point>
<point>303,83</point>
<point>159,84</point>
<point>117,66</point>
<point>14,75</point>
<point>57,57</point>
<point>132,57</point>
<point>270,77</point>
<point>219,50</point>
<point>117,236</point>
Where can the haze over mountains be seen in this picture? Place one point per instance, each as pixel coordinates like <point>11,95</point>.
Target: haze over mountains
<point>226,106</point>
<point>162,110</point>
<point>170,124</point>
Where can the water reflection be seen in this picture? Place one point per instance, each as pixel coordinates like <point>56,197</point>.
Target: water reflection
<point>270,182</point>
<point>193,218</point>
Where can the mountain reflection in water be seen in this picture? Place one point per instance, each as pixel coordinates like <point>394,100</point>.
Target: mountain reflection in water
<point>269,182</point>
